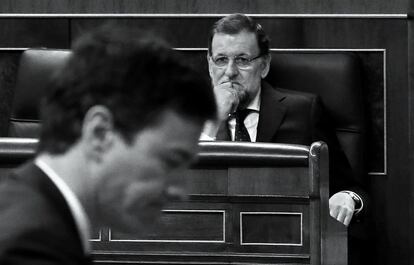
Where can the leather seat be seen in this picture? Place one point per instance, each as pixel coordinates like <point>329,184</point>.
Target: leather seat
<point>337,79</point>
<point>35,68</point>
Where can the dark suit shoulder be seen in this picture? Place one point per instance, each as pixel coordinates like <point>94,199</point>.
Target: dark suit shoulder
<point>299,95</point>
<point>287,116</point>
<point>300,106</point>
<point>22,205</point>
<point>31,230</point>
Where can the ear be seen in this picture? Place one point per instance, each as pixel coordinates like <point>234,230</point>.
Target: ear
<point>265,65</point>
<point>210,65</point>
<point>97,132</point>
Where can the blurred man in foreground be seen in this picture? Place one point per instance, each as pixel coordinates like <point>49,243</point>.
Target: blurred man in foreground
<point>122,116</point>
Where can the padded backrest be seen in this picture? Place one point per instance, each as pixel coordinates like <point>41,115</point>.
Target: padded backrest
<point>35,69</point>
<point>337,79</point>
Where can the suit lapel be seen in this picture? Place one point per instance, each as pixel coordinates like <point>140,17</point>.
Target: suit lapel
<point>272,112</point>
<point>36,178</point>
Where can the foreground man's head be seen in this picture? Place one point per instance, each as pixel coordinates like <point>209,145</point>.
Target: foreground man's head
<point>121,119</point>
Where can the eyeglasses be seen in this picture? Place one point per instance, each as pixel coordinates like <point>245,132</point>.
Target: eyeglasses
<point>240,61</point>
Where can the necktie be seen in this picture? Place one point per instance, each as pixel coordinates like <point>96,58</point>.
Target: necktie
<point>241,135</point>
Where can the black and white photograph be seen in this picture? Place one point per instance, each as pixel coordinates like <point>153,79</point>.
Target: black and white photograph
<point>206,132</point>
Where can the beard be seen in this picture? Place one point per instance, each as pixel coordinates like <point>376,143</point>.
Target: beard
<point>244,101</point>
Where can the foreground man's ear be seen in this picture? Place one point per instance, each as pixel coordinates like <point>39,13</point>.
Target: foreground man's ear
<point>97,131</point>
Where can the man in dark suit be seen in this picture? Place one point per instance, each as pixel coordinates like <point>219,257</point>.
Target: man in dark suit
<point>121,117</point>
<point>249,109</point>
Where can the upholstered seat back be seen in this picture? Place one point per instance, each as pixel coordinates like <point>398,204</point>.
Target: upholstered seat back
<point>337,79</point>
<point>35,69</point>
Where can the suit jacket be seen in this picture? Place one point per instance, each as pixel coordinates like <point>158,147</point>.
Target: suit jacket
<point>295,117</point>
<point>36,225</point>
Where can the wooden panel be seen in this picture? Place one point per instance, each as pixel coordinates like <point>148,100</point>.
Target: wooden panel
<point>200,226</point>
<point>389,210</point>
<point>182,226</point>
<point>264,228</point>
<point>267,214</point>
<point>212,230</point>
<point>411,131</point>
<point>203,6</point>
<point>194,32</point>
<point>212,226</point>
<point>50,33</point>
<point>180,32</point>
<point>207,182</point>
<point>375,110</point>
<point>337,248</point>
<point>268,181</point>
<point>96,234</point>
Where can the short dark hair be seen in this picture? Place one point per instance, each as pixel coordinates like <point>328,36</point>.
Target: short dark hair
<point>135,75</point>
<point>236,23</point>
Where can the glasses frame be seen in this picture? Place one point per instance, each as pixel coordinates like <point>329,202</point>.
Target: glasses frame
<point>250,60</point>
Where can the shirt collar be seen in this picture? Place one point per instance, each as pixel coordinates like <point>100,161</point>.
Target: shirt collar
<point>75,206</point>
<point>255,103</point>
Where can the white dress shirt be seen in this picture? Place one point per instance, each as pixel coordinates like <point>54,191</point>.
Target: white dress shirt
<point>76,208</point>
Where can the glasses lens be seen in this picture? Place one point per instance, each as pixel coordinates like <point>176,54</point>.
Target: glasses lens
<point>221,61</point>
<point>242,62</point>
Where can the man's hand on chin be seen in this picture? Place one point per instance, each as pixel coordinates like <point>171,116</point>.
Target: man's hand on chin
<point>227,99</point>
